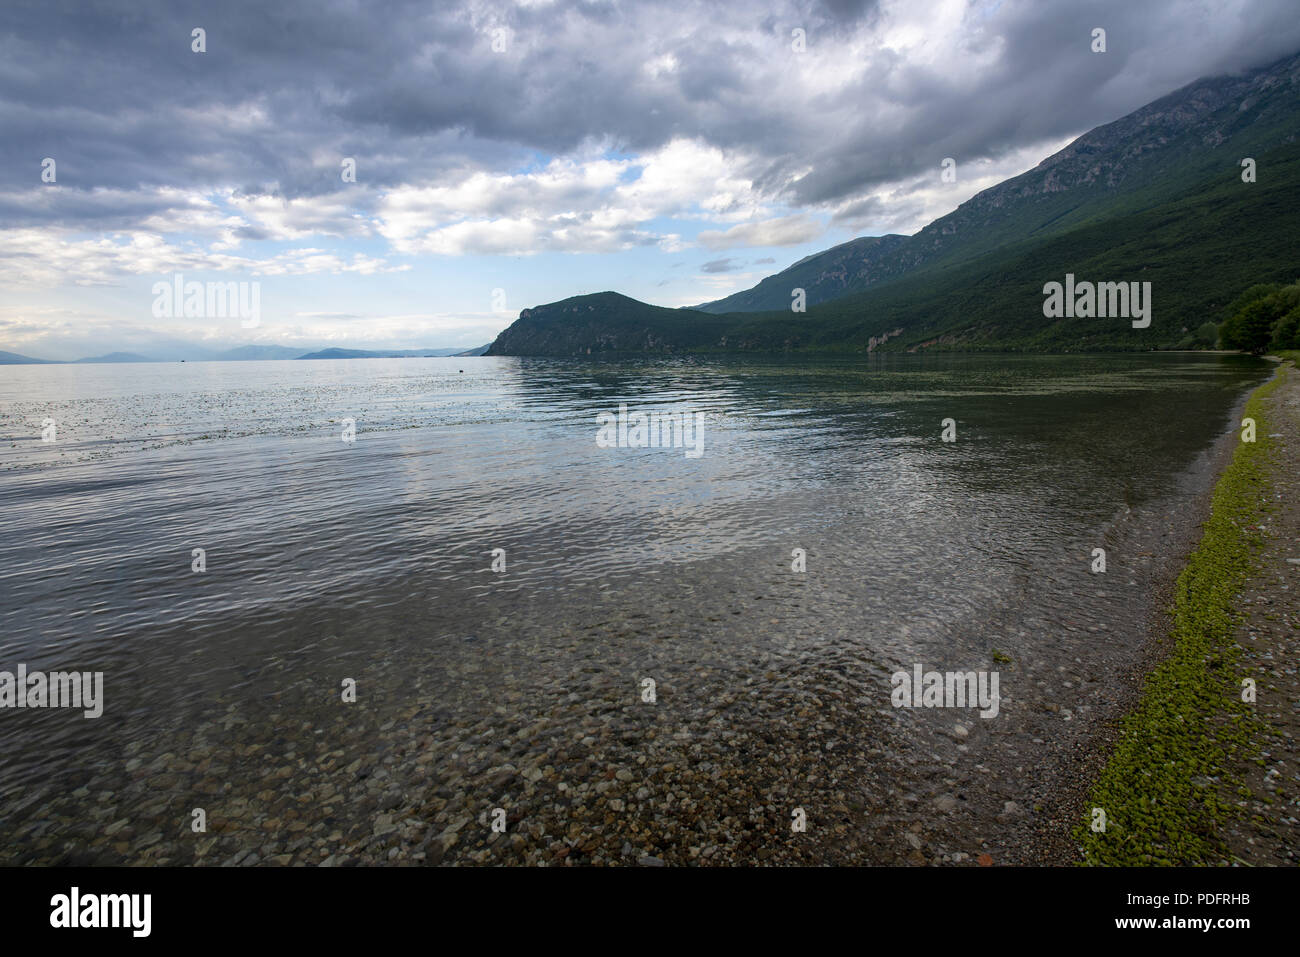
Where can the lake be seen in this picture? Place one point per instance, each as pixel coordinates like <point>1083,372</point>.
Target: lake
<point>369,564</point>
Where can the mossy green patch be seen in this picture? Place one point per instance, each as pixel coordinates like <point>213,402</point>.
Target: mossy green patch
<point>1163,789</point>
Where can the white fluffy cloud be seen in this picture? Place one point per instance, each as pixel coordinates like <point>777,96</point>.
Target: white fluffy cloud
<point>48,257</point>
<point>572,204</point>
<point>784,231</point>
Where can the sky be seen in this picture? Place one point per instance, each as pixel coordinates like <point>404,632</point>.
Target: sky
<point>511,154</point>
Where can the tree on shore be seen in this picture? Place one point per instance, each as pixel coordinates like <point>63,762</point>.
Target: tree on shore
<point>1264,317</point>
<point>1286,332</point>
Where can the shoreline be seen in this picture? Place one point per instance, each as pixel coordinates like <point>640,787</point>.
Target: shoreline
<point>1071,768</point>
<point>1170,778</point>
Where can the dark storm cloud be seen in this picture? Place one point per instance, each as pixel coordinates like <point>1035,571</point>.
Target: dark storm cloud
<point>1045,83</point>
<point>102,210</point>
<point>415,91</point>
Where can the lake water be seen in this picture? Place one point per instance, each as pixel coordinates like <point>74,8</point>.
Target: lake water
<point>371,561</point>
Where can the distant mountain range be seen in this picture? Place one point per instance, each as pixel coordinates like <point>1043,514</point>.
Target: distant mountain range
<point>250,353</point>
<point>1155,196</point>
<point>13,358</point>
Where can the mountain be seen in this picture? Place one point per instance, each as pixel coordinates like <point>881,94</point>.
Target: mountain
<point>247,353</point>
<point>603,322</point>
<point>176,350</point>
<point>339,354</point>
<point>476,351</point>
<point>1198,252</point>
<point>1157,196</point>
<point>118,357</point>
<point>380,354</point>
<point>171,353</point>
<point>1154,154</point>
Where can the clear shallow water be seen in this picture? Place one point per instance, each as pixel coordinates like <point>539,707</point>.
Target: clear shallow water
<point>372,558</point>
